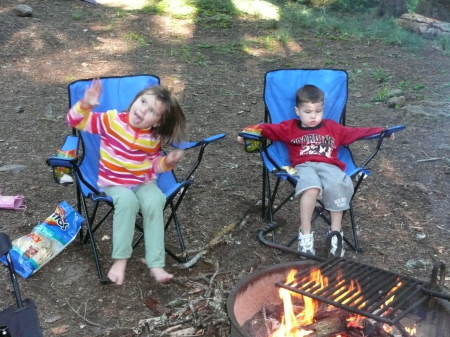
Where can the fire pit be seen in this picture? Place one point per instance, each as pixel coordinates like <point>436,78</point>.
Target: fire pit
<point>261,290</point>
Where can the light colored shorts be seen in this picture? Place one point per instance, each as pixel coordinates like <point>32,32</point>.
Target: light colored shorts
<point>335,185</point>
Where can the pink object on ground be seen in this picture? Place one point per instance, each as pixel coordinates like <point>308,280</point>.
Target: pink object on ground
<point>12,202</point>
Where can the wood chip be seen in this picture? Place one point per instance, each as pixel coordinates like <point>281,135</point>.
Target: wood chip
<point>155,306</point>
<point>185,332</point>
<point>59,330</point>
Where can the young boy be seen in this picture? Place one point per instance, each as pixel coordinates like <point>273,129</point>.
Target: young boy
<point>313,144</point>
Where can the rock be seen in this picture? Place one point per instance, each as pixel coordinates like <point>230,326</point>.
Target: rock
<point>427,110</point>
<point>416,264</point>
<point>49,110</point>
<point>53,318</point>
<point>13,168</point>
<point>19,109</point>
<point>420,236</point>
<point>395,93</point>
<point>396,102</point>
<point>418,187</point>
<point>23,10</point>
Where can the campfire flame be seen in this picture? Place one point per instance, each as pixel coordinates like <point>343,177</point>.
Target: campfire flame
<point>291,324</point>
<point>411,331</point>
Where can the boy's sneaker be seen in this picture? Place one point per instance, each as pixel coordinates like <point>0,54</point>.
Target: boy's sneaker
<point>306,243</point>
<point>334,245</point>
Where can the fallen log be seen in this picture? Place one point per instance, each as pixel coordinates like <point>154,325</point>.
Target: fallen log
<point>427,27</point>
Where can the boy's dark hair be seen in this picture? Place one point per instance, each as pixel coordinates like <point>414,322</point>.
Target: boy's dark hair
<point>309,94</point>
<point>172,127</point>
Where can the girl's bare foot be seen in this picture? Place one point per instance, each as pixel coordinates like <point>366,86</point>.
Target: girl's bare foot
<point>117,272</point>
<point>160,275</point>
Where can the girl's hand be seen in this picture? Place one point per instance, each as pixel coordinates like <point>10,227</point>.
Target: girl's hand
<point>92,93</point>
<point>173,157</point>
<point>240,140</point>
<point>391,137</point>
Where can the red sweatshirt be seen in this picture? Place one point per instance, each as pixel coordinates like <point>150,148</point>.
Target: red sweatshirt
<point>317,144</point>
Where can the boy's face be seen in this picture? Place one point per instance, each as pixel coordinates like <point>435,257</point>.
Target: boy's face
<point>145,112</point>
<point>310,114</point>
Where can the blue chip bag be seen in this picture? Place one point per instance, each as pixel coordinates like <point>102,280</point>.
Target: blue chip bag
<point>32,251</point>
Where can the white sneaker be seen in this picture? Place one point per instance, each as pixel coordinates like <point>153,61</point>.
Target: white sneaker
<point>334,245</point>
<point>306,243</point>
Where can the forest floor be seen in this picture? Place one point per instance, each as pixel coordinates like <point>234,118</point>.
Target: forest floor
<point>402,209</point>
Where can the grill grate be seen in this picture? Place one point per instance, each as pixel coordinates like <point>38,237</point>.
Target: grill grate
<point>377,286</point>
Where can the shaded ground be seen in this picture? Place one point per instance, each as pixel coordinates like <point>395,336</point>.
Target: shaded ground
<point>220,89</point>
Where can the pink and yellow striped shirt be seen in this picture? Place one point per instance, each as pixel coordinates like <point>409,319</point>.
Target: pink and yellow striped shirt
<point>128,156</point>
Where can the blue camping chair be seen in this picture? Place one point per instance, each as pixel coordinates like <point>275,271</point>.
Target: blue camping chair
<point>117,94</point>
<point>279,98</point>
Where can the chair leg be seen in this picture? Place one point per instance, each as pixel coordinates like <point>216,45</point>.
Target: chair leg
<point>90,236</point>
<point>356,247</point>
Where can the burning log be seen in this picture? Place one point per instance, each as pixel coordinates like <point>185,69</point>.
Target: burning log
<point>329,323</point>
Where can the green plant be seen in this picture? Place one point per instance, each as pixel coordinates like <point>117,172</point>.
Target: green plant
<point>135,37</point>
<point>381,95</point>
<point>204,45</point>
<point>152,9</point>
<point>443,43</point>
<point>410,86</point>
<point>353,5</point>
<point>380,75</point>
<point>283,36</point>
<point>120,13</point>
<point>229,48</point>
<point>77,15</point>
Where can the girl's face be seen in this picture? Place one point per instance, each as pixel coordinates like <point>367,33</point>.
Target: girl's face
<point>310,114</point>
<point>146,112</point>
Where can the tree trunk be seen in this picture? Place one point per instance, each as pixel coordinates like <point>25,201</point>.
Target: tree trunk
<point>424,26</point>
<point>436,9</point>
<point>393,8</point>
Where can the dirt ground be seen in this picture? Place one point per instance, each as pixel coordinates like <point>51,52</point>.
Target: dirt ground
<point>402,209</point>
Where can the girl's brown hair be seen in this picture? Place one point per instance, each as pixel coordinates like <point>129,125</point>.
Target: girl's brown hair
<point>172,127</point>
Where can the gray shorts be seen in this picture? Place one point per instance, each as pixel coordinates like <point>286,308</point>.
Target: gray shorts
<point>336,186</point>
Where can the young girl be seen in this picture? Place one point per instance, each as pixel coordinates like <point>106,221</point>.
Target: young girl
<point>130,159</point>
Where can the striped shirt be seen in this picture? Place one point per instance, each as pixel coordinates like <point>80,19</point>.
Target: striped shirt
<point>128,156</point>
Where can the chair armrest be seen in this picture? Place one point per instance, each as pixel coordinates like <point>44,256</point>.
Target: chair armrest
<point>205,141</point>
<point>249,135</point>
<point>202,144</point>
<point>387,132</point>
<point>70,144</point>
<point>381,136</point>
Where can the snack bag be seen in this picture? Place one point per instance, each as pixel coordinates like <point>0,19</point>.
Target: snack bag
<point>32,251</point>
<point>252,145</point>
<point>63,173</point>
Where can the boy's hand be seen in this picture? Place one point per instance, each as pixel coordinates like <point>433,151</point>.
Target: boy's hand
<point>391,137</point>
<point>173,157</point>
<point>241,140</point>
<point>92,93</point>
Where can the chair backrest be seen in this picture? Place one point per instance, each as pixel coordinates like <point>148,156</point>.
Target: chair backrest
<point>117,93</point>
<point>280,87</point>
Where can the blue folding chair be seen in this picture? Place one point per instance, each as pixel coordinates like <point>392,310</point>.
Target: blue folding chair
<point>117,94</point>
<point>280,87</point>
